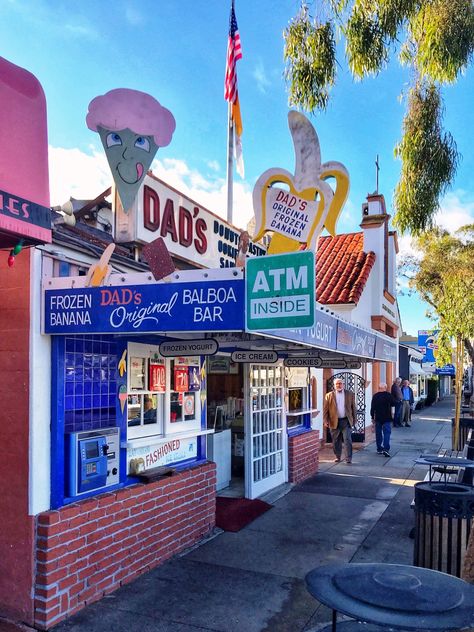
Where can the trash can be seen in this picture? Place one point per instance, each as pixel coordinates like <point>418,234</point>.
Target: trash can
<point>443,520</point>
<point>465,424</point>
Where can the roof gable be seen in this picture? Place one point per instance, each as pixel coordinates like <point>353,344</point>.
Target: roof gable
<point>342,268</point>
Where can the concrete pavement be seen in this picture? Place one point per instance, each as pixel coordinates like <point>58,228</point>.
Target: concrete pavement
<point>253,580</point>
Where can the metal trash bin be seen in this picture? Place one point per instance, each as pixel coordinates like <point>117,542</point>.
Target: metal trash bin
<point>465,424</point>
<point>443,520</point>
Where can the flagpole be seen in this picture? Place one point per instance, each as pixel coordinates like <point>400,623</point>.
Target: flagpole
<point>230,164</point>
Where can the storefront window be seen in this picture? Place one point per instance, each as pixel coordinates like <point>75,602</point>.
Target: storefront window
<point>144,410</point>
<point>185,410</point>
<point>146,391</point>
<point>298,397</point>
<point>163,395</point>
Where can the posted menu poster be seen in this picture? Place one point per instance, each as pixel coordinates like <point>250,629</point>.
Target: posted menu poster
<point>157,378</point>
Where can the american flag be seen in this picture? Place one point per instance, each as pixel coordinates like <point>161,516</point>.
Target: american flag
<point>234,53</point>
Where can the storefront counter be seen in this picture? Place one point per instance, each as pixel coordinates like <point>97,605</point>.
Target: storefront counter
<point>219,451</point>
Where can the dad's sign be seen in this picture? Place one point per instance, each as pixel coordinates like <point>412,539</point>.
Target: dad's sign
<point>161,307</point>
<point>280,291</point>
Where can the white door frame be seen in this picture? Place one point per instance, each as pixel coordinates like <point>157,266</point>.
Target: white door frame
<point>274,445</point>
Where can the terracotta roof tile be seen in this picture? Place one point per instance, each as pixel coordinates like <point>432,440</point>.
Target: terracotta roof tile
<point>342,268</point>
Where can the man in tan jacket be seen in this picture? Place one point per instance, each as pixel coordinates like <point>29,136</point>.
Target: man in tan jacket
<point>339,415</point>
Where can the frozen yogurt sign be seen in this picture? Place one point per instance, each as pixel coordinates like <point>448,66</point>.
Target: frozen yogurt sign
<point>297,213</point>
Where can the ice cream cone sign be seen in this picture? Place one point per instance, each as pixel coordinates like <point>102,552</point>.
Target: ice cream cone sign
<point>122,395</point>
<point>132,126</point>
<point>297,213</point>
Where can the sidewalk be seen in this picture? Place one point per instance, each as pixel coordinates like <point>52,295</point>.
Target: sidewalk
<point>253,580</point>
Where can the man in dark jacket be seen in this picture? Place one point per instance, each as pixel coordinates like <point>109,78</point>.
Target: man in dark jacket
<point>381,413</point>
<point>398,397</point>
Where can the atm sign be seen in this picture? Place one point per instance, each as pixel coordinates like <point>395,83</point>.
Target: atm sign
<point>280,291</point>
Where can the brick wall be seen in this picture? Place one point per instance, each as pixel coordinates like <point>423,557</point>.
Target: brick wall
<point>303,460</point>
<point>90,548</point>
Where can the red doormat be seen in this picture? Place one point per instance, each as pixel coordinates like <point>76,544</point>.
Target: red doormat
<point>233,514</point>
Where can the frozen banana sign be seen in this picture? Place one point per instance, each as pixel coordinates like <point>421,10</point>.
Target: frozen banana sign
<point>297,211</point>
<point>195,306</point>
<point>291,215</point>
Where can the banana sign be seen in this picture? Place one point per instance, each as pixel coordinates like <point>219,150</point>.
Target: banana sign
<point>297,214</point>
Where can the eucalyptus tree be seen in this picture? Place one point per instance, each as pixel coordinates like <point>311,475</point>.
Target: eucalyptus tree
<point>443,276</point>
<point>434,38</point>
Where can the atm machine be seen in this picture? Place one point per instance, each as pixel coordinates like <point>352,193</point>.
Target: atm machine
<point>94,460</point>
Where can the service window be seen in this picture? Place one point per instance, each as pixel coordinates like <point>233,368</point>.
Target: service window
<point>185,401</point>
<point>298,398</point>
<point>146,387</point>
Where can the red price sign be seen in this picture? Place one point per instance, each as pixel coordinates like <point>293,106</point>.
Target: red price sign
<point>181,381</point>
<point>157,378</point>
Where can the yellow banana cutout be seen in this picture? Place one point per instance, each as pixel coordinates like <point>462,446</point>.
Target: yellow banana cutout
<point>98,272</point>
<point>122,365</point>
<point>296,216</point>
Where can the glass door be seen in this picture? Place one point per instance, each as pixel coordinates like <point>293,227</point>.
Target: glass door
<point>265,431</point>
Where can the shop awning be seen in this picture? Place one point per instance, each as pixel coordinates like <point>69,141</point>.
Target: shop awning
<point>206,302</point>
<point>416,369</point>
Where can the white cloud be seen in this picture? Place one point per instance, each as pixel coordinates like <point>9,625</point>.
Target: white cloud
<point>457,209</point>
<point>261,78</point>
<point>405,246</point>
<point>208,192</point>
<point>214,165</point>
<point>74,173</point>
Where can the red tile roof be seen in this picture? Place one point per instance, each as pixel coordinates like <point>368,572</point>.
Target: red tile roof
<point>342,268</point>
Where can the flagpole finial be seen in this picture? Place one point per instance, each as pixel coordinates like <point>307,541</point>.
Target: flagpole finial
<point>377,169</point>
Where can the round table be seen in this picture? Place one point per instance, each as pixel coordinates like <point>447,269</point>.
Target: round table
<point>444,464</point>
<point>394,596</point>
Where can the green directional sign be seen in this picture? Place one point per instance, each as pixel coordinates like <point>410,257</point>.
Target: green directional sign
<point>280,291</point>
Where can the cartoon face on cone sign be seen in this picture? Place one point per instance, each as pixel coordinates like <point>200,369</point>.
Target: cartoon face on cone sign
<point>132,126</point>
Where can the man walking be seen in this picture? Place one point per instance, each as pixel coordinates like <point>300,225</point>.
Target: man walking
<point>339,415</point>
<point>382,408</point>
<point>398,397</point>
<point>407,403</point>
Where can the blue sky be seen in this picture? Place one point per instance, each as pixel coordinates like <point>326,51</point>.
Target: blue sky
<point>176,52</point>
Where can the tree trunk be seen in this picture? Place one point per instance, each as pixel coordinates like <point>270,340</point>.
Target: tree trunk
<point>458,388</point>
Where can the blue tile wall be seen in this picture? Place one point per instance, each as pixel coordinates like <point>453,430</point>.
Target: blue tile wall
<point>90,383</point>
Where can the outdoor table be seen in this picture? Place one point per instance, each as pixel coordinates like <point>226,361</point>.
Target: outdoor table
<point>393,596</point>
<point>444,464</point>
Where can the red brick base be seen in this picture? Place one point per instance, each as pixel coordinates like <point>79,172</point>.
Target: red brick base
<point>303,460</point>
<point>91,548</point>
